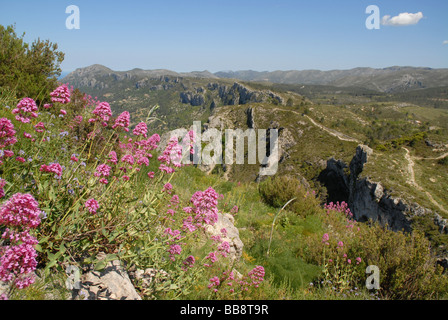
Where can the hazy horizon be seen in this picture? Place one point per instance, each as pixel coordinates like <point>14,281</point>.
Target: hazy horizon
<point>206,70</point>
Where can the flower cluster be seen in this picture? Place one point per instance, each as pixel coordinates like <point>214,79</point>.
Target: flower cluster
<point>92,205</point>
<point>25,109</point>
<point>171,154</point>
<point>141,129</point>
<point>18,259</point>
<point>7,133</point>
<point>188,263</point>
<point>253,279</point>
<point>102,112</point>
<point>40,127</point>
<point>339,207</point>
<point>103,170</point>
<point>2,185</point>
<point>205,206</point>
<point>20,210</point>
<point>55,168</point>
<point>61,94</point>
<point>122,121</point>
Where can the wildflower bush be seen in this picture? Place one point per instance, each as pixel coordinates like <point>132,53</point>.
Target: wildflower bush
<point>76,181</point>
<point>408,268</point>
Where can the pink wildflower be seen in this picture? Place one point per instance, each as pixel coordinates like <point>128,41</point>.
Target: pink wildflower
<point>122,121</point>
<point>189,262</point>
<point>20,210</point>
<point>188,224</point>
<point>61,94</point>
<point>172,153</point>
<point>26,108</point>
<point>174,249</point>
<point>214,282</point>
<point>325,238</point>
<point>143,160</point>
<point>113,157</point>
<point>40,127</point>
<point>27,135</point>
<point>7,133</point>
<point>256,275</point>
<point>2,185</point>
<point>92,205</point>
<point>18,261</point>
<point>103,111</point>
<point>103,170</point>
<point>56,168</point>
<point>212,257</point>
<point>141,129</point>
<point>205,206</point>
<point>167,187</point>
<point>128,159</point>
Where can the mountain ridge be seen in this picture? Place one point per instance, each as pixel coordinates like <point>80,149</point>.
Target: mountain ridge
<point>389,80</point>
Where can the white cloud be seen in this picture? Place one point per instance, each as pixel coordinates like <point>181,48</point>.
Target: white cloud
<point>403,19</point>
<point>445,42</point>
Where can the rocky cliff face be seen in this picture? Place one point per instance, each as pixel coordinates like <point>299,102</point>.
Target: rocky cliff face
<point>369,200</point>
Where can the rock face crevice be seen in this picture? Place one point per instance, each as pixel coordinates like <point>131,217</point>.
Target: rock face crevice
<point>369,200</point>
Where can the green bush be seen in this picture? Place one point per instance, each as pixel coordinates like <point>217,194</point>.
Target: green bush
<point>406,261</point>
<point>29,70</point>
<point>279,190</point>
<point>443,161</point>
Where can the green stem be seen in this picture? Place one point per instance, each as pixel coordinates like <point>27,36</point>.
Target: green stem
<point>273,223</point>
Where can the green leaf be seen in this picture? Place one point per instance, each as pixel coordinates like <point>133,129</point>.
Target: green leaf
<point>173,286</point>
<point>100,265</point>
<point>105,232</point>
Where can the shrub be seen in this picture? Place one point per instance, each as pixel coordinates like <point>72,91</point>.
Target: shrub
<point>277,191</point>
<point>406,262</point>
<point>30,70</point>
<point>443,161</point>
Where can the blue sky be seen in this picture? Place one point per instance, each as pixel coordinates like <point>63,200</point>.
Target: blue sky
<point>217,35</point>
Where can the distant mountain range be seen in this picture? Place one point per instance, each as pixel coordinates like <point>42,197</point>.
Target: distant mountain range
<point>390,80</point>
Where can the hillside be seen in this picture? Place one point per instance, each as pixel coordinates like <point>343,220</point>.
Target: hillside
<point>316,123</point>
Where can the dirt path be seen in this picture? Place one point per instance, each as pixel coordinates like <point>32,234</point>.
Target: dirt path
<point>337,134</point>
<point>414,183</point>
<point>437,158</point>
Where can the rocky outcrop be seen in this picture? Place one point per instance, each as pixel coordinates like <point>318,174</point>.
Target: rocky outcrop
<point>250,114</point>
<point>194,99</point>
<point>369,200</point>
<point>238,94</point>
<point>111,283</point>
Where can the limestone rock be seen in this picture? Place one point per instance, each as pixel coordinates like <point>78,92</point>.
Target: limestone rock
<point>111,283</point>
<point>233,236</point>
